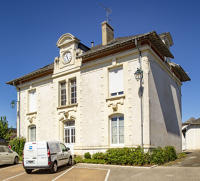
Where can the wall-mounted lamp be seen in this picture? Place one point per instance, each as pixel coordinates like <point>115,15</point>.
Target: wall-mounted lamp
<point>138,74</point>
<point>13,103</point>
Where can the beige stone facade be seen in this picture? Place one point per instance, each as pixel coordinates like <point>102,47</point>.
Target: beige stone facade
<point>94,107</point>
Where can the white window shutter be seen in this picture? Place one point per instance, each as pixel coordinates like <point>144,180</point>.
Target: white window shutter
<point>32,101</point>
<point>116,80</point>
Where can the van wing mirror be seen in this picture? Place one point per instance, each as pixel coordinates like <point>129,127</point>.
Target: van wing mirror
<point>67,149</point>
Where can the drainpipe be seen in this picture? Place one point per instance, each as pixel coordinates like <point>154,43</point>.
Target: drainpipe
<point>18,107</point>
<point>140,92</point>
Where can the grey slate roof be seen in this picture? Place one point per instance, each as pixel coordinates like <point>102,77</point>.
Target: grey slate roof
<point>153,37</point>
<point>32,74</point>
<point>192,121</point>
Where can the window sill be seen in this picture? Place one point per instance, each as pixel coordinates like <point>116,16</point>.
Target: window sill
<point>116,145</point>
<point>68,106</point>
<point>31,113</point>
<point>115,97</point>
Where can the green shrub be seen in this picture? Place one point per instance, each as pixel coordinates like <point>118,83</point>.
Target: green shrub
<point>130,156</point>
<point>17,144</point>
<point>127,156</point>
<point>162,155</point>
<point>170,153</point>
<point>78,159</point>
<point>87,155</point>
<point>181,155</point>
<point>157,156</point>
<point>98,156</point>
<point>94,161</point>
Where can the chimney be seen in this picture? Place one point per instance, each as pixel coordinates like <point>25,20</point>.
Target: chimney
<point>107,33</point>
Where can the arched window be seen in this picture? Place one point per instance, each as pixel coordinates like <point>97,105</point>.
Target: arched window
<point>32,133</point>
<point>117,129</point>
<point>69,132</point>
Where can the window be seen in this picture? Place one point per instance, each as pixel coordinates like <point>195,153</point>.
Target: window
<point>32,101</point>
<point>32,133</point>
<point>63,147</point>
<point>117,130</point>
<point>69,129</point>
<point>72,91</point>
<point>63,96</point>
<point>116,86</point>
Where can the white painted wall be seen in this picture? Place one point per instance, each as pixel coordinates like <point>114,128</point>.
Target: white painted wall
<point>165,107</point>
<point>192,137</point>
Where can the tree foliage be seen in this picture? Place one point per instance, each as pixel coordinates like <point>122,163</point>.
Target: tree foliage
<point>5,132</point>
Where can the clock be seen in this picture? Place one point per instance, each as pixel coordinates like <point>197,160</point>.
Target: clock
<point>67,57</point>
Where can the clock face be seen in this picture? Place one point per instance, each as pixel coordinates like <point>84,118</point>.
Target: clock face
<point>67,57</point>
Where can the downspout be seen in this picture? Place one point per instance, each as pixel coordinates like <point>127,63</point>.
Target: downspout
<point>18,106</point>
<point>140,92</point>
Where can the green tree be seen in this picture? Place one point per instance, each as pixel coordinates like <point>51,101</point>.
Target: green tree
<point>5,132</point>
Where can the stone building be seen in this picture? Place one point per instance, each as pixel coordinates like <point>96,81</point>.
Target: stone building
<point>125,92</point>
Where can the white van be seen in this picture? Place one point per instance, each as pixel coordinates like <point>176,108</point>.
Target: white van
<point>45,155</point>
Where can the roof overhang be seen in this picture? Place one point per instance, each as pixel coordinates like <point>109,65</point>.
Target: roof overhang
<point>151,39</point>
<point>179,72</point>
<point>47,70</point>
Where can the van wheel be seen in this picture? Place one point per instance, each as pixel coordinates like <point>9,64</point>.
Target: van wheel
<point>54,168</point>
<point>28,171</point>
<point>70,161</point>
<point>16,160</point>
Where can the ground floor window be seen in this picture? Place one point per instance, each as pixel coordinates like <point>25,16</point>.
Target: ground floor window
<point>69,132</point>
<point>117,129</point>
<point>32,133</point>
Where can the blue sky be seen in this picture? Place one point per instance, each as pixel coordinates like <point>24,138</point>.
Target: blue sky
<point>29,30</point>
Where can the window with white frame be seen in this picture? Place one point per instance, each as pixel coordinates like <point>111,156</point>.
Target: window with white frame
<point>116,85</point>
<point>69,131</point>
<point>73,91</point>
<point>63,95</point>
<point>32,101</point>
<point>32,133</point>
<point>117,129</point>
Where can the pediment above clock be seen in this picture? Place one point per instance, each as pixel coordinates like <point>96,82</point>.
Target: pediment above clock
<point>66,39</point>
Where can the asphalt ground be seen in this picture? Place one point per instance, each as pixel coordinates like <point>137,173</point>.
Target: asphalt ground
<point>188,169</point>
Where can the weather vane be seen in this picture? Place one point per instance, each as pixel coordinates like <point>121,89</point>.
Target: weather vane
<point>108,12</point>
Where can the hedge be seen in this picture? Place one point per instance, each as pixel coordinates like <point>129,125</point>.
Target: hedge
<point>130,156</point>
<point>17,145</point>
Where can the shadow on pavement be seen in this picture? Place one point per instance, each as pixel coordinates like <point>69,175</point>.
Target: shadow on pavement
<point>45,171</point>
<point>8,165</point>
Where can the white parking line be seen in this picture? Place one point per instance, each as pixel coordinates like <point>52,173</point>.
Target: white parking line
<point>9,167</point>
<point>62,174</point>
<point>14,176</point>
<point>107,175</point>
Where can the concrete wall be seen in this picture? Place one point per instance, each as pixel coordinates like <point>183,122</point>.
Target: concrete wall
<point>165,106</point>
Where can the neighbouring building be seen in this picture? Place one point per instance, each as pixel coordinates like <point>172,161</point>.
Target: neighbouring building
<point>191,134</point>
<point>125,92</point>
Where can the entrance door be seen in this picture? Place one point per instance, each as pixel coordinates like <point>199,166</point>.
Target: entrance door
<point>69,133</point>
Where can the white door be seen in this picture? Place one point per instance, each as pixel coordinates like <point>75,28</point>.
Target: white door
<point>69,133</point>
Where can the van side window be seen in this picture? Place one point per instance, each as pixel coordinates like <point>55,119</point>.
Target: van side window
<point>63,147</point>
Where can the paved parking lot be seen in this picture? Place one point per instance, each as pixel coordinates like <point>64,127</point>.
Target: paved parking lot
<point>89,172</point>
